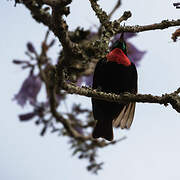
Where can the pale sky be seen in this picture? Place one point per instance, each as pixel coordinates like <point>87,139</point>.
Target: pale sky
<point>152,149</point>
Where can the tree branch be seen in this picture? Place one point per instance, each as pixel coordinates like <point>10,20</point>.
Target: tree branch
<point>172,98</point>
<point>103,18</point>
<point>124,17</point>
<point>156,26</point>
<point>60,29</point>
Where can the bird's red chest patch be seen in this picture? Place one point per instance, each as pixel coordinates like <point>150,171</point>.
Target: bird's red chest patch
<point>118,56</point>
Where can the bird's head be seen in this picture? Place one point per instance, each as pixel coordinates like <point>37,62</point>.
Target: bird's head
<point>118,52</point>
<point>121,44</point>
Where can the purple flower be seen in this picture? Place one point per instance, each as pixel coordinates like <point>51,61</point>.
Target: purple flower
<point>79,130</point>
<point>29,90</point>
<point>15,61</point>
<point>85,79</point>
<point>30,47</point>
<point>27,116</point>
<point>88,80</point>
<point>126,36</point>
<point>79,81</point>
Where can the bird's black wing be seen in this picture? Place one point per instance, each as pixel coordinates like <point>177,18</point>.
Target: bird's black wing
<point>98,73</point>
<point>103,81</point>
<point>126,115</point>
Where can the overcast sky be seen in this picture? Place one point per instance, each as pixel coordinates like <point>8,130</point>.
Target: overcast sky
<point>152,149</point>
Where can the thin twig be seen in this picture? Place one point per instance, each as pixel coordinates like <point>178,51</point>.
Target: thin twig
<point>114,9</point>
<point>156,26</point>
<point>124,17</point>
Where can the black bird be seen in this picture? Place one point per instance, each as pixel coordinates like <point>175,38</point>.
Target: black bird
<point>114,74</point>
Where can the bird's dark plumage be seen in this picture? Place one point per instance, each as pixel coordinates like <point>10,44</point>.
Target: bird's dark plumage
<point>112,77</point>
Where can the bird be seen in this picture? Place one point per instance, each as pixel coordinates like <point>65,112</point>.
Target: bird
<point>115,73</point>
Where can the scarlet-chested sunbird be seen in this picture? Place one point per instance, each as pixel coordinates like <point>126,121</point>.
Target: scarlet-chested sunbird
<point>115,73</point>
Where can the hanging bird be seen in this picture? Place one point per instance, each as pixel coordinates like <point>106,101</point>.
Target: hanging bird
<point>114,74</point>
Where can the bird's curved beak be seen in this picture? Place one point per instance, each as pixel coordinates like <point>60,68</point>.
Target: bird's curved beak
<point>122,37</point>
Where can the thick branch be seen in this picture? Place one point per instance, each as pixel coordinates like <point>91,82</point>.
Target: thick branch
<point>60,29</point>
<point>172,98</point>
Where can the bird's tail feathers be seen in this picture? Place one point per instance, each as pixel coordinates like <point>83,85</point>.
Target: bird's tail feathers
<point>125,118</point>
<point>103,129</point>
